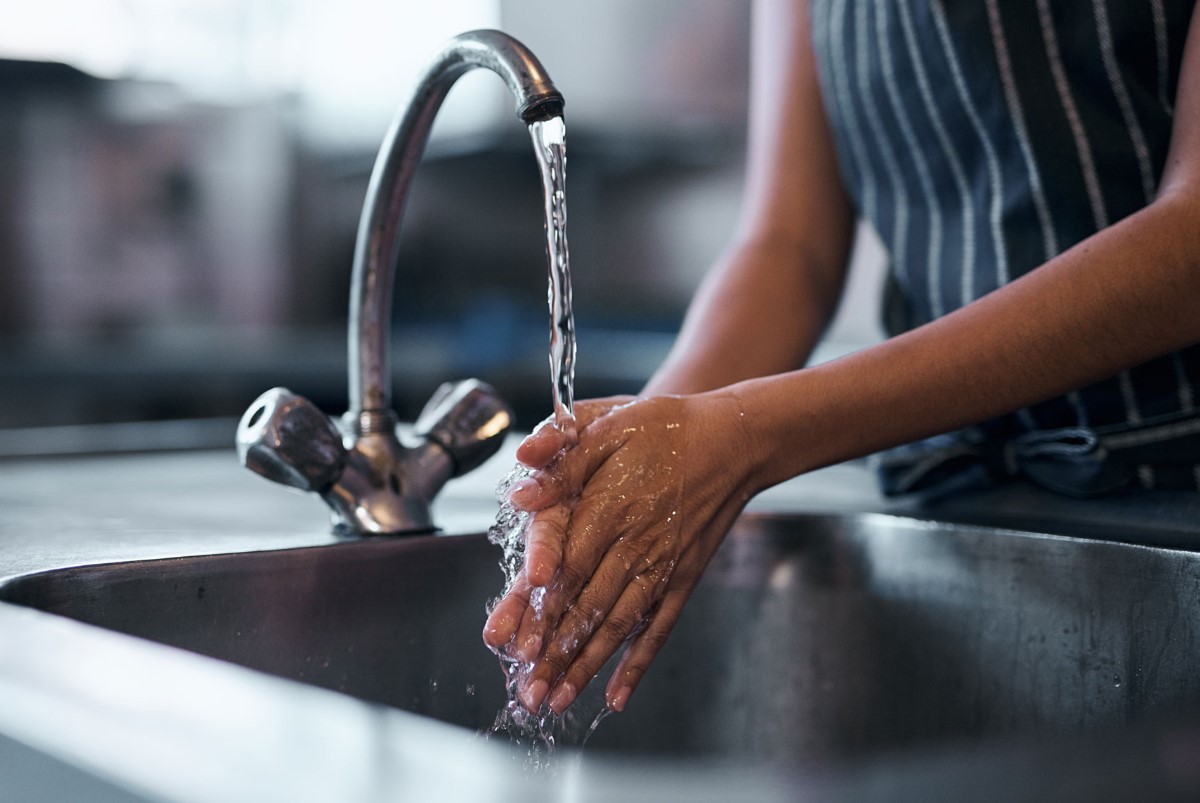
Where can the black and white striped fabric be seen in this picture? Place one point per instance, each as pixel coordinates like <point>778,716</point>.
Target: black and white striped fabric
<point>983,137</point>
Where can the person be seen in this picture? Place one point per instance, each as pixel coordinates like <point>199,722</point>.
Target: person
<point>1033,170</point>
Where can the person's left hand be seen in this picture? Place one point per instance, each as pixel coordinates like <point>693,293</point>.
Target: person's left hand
<point>639,505</point>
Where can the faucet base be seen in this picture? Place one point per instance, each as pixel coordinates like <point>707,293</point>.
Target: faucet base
<point>374,483</point>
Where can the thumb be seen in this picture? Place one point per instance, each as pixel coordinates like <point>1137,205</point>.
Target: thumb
<point>547,440</point>
<point>565,475</point>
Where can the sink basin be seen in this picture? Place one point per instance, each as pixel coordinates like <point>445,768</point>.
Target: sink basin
<point>811,638</point>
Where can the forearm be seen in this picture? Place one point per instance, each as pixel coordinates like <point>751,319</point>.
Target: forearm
<point>760,312</point>
<point>765,305</point>
<point>1119,298</point>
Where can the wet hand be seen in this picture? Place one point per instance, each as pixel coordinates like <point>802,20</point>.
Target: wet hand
<point>543,533</point>
<point>547,440</point>
<point>628,519</point>
<point>543,549</point>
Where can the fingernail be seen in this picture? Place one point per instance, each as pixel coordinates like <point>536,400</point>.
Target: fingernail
<point>562,697</point>
<point>617,703</point>
<point>499,621</point>
<point>533,695</point>
<point>523,490</point>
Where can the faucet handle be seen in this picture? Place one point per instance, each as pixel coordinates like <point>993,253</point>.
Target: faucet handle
<point>468,419</point>
<point>285,438</point>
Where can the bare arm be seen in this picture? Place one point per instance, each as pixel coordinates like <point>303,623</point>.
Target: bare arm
<point>765,304</point>
<point>659,482</point>
<point>1125,295</point>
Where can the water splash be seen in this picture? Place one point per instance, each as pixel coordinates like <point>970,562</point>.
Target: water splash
<point>533,737</point>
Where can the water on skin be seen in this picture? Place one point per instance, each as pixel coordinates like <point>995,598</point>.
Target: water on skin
<point>534,736</point>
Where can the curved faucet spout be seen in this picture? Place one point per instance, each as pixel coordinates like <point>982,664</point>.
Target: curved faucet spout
<point>375,248</point>
<point>374,483</point>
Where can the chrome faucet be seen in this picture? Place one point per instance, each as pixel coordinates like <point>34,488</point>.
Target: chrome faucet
<point>375,482</point>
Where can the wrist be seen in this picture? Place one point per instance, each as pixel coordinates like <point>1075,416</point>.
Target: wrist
<point>792,424</point>
<point>742,430</point>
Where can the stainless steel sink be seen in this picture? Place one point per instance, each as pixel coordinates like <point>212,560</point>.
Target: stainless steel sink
<point>811,638</point>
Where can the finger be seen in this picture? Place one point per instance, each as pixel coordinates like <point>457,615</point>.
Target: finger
<point>631,611</point>
<point>562,479</point>
<point>643,648</point>
<point>557,652</point>
<point>595,548</point>
<point>526,611</point>
<point>502,622</point>
<point>567,562</point>
<point>590,410</point>
<point>527,641</point>
<point>555,484</point>
<point>607,611</point>
<point>641,651</point>
<point>546,532</point>
<point>540,447</point>
<point>527,645</point>
<point>580,565</point>
<point>540,616</point>
<point>560,600</point>
<point>547,440</point>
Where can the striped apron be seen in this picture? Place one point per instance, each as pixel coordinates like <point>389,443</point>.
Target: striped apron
<point>981,138</point>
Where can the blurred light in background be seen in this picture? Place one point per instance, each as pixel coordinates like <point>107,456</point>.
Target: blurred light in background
<point>181,180</point>
<point>346,64</point>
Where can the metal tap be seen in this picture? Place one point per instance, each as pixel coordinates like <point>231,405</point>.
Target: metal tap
<point>374,482</point>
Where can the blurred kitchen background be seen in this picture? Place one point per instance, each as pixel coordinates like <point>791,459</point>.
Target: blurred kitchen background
<point>180,182</point>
